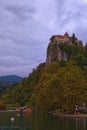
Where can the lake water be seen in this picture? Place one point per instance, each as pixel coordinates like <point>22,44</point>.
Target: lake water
<point>40,121</point>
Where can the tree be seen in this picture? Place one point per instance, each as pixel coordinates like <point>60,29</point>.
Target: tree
<point>86,49</point>
<point>80,43</point>
<point>61,90</point>
<point>2,105</point>
<point>81,59</point>
<point>73,38</point>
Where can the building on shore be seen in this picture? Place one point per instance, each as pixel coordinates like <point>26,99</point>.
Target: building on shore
<point>26,109</point>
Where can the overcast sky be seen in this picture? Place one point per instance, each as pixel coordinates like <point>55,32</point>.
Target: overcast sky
<point>27,25</point>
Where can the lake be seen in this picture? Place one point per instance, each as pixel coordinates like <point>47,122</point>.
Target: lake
<point>40,121</point>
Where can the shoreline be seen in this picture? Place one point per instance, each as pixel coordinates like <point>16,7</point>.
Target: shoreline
<point>70,115</point>
<point>10,111</point>
<point>76,115</point>
<point>55,114</point>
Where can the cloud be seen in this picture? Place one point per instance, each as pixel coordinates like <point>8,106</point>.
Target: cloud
<point>26,26</point>
<point>69,14</point>
<point>17,70</point>
<point>21,12</point>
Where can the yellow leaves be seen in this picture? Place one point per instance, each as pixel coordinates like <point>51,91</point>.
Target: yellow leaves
<point>2,105</point>
<point>64,88</point>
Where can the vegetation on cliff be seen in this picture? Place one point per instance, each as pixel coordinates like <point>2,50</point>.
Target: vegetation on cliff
<point>64,51</point>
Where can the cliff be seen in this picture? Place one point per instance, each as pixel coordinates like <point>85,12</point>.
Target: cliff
<point>59,47</point>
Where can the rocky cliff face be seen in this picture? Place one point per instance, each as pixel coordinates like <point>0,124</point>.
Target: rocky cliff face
<point>54,53</point>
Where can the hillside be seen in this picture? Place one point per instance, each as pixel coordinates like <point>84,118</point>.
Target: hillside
<point>57,85</point>
<point>10,78</point>
<point>8,82</point>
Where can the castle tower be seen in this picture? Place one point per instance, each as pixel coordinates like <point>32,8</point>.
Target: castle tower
<point>66,37</point>
<point>66,34</point>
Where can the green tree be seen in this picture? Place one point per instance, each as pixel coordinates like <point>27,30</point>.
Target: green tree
<point>61,90</point>
<point>73,38</point>
<point>81,59</point>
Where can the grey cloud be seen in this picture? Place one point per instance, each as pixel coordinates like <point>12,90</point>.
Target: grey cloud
<point>81,32</point>
<point>17,70</point>
<point>26,26</point>
<point>70,14</point>
<point>19,43</point>
<point>21,12</point>
<point>65,15</point>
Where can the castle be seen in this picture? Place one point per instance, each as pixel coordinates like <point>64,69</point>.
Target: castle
<point>63,38</point>
<point>54,52</point>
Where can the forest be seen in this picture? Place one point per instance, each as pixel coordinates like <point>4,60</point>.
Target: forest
<point>58,87</point>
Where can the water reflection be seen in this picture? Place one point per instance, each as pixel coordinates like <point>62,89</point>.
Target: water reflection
<point>80,123</point>
<point>40,121</point>
<point>11,128</point>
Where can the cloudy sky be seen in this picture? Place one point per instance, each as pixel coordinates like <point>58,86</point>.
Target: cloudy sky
<point>27,25</point>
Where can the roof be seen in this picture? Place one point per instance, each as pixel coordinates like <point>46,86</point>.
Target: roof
<point>76,38</point>
<point>60,36</point>
<point>52,37</point>
<point>26,108</point>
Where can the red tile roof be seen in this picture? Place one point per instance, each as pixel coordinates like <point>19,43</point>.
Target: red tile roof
<point>60,36</point>
<point>52,38</point>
